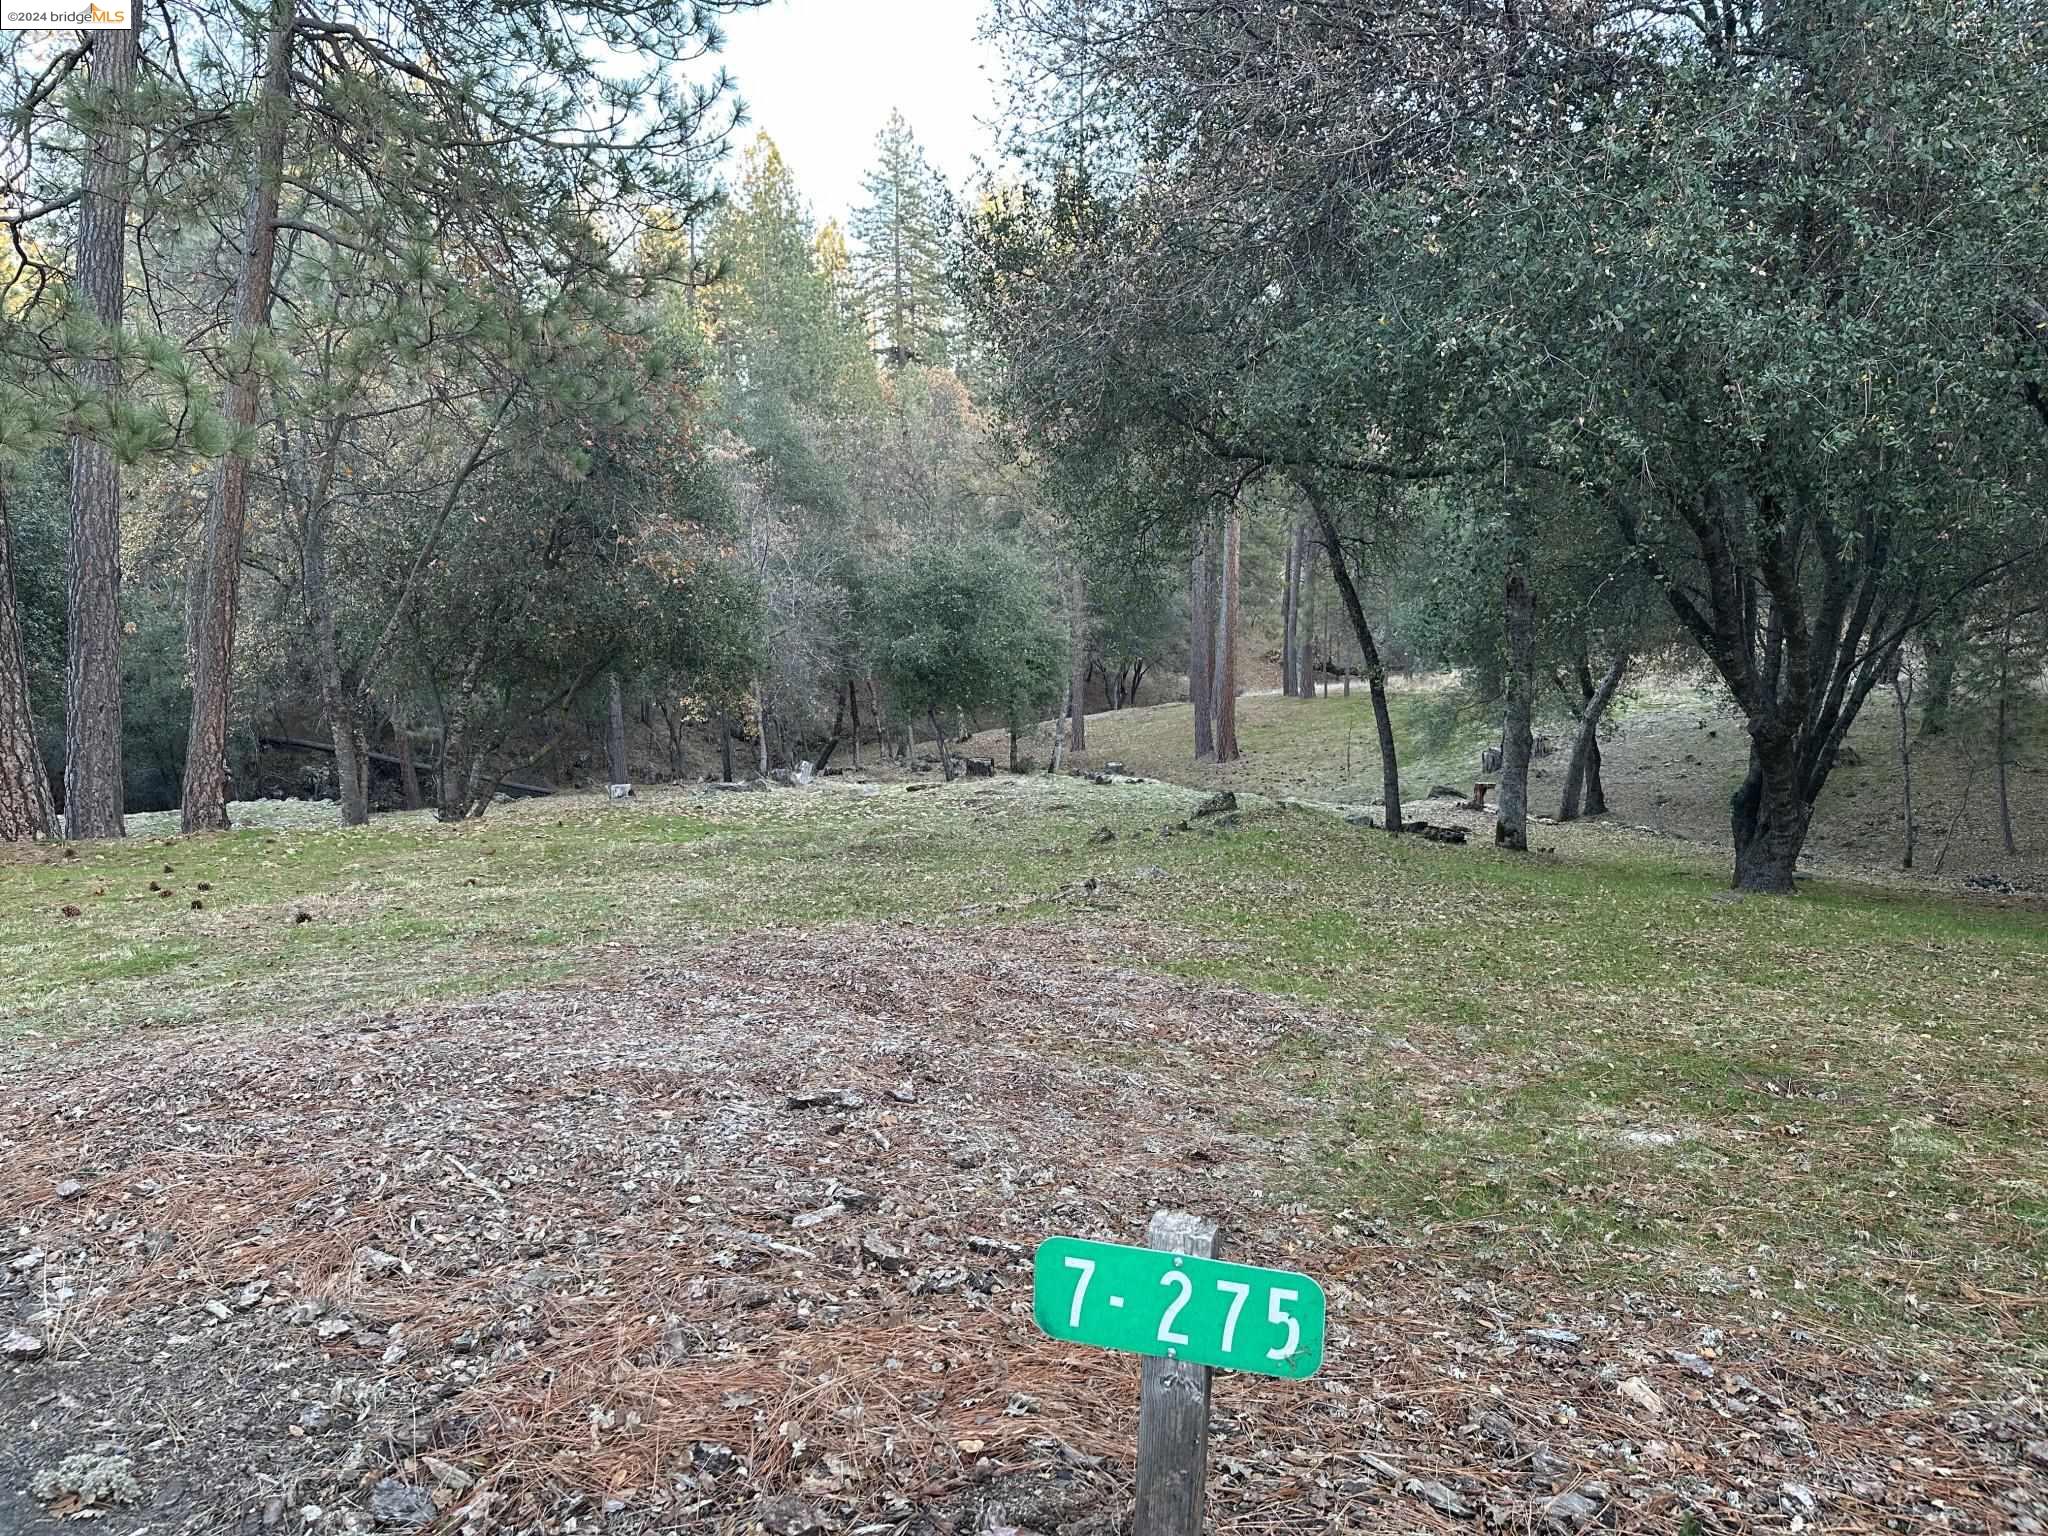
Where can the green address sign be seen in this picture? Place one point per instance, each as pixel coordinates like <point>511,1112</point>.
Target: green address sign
<point>1149,1302</point>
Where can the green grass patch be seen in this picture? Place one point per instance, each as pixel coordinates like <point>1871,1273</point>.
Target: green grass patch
<point>1594,1060</point>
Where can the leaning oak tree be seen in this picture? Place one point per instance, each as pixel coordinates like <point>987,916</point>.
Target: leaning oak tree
<point>1764,274</point>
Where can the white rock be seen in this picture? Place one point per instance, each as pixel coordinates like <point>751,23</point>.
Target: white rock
<point>1643,1395</point>
<point>17,1345</point>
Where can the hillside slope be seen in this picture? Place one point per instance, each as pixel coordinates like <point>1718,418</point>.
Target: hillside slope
<point>1674,754</point>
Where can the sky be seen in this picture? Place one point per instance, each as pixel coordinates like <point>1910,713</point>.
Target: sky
<point>820,76</point>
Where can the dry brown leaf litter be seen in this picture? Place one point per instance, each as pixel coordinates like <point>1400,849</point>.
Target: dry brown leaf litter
<point>575,1257</point>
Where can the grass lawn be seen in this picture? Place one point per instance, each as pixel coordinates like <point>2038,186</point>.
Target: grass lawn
<point>1593,1061</point>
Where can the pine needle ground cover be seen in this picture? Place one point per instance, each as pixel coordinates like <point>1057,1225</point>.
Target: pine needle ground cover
<point>688,1155</point>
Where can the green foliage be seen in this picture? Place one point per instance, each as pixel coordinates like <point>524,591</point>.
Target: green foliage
<point>787,354</point>
<point>901,262</point>
<point>155,698</point>
<point>960,628</point>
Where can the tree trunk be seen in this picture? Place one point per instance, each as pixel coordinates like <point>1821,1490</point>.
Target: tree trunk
<point>1290,612</point>
<point>1596,792</point>
<point>853,698</point>
<point>1375,672</point>
<point>1511,826</point>
<point>615,733</point>
<point>1013,742</point>
<point>725,748</point>
<point>220,566</point>
<point>1902,695</point>
<point>408,774</point>
<point>351,765</point>
<point>340,698</point>
<point>26,813</point>
<point>1942,643</point>
<point>1305,601</point>
<point>939,735</point>
<point>1059,732</point>
<point>451,784</point>
<point>1224,668</point>
<point>1201,646</point>
<point>1077,639</point>
<point>2002,745</point>
<point>1582,788</point>
<point>1769,814</point>
<point>761,721</point>
<point>95,790</point>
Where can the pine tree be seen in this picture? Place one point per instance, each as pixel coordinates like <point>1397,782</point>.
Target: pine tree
<point>496,130</point>
<point>901,266</point>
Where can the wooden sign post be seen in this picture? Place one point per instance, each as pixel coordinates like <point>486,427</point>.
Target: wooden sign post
<point>1190,1314</point>
<point>1173,1406</point>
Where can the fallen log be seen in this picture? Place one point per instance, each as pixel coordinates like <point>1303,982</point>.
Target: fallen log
<point>386,760</point>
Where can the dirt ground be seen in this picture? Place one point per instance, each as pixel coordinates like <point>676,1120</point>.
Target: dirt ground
<point>742,1239</point>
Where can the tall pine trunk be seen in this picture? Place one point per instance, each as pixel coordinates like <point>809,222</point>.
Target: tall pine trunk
<point>1290,613</point>
<point>1224,668</point>
<point>1077,632</point>
<point>220,570</point>
<point>408,773</point>
<point>1511,826</point>
<point>1902,696</point>
<point>1201,645</point>
<point>95,793</point>
<point>341,698</point>
<point>1305,602</point>
<point>1583,792</point>
<point>2002,744</point>
<point>615,733</point>
<point>25,809</point>
<point>1369,652</point>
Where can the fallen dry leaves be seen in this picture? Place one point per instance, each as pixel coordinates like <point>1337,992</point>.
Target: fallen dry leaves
<point>745,1235</point>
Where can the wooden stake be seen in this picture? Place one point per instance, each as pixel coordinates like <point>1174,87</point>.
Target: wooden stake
<point>1173,1407</point>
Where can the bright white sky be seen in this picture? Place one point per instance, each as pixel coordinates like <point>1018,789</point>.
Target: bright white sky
<point>820,76</point>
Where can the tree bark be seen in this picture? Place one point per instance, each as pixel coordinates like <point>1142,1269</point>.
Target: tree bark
<point>95,789</point>
<point>1201,646</point>
<point>1769,814</point>
<point>1305,601</point>
<point>1059,732</point>
<point>1902,696</point>
<point>1942,643</point>
<point>1582,788</point>
<point>340,698</point>
<point>26,812</point>
<point>853,698</point>
<point>220,568</point>
<point>615,733</point>
<point>939,735</point>
<point>1511,826</point>
<point>1224,668</point>
<point>408,774</point>
<point>2002,743</point>
<point>1375,672</point>
<point>1290,612</point>
<point>725,748</point>
<point>1077,631</point>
